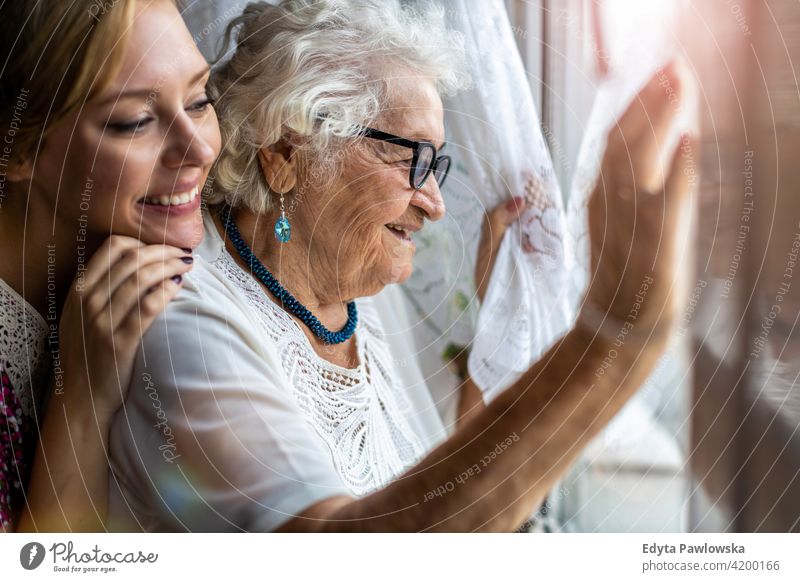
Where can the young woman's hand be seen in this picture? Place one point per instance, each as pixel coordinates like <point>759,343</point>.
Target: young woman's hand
<point>126,284</point>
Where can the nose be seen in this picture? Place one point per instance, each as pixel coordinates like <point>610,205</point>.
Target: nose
<point>429,200</point>
<point>186,145</point>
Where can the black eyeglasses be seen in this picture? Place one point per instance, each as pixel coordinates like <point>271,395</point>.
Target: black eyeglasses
<point>424,160</point>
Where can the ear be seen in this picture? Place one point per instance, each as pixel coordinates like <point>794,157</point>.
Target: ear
<point>279,167</point>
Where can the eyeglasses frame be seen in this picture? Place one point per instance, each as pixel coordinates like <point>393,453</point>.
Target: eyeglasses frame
<point>416,147</point>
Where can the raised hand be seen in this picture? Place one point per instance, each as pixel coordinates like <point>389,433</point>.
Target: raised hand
<point>638,216</point>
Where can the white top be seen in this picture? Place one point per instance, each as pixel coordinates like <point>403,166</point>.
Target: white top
<point>23,349</point>
<point>233,422</point>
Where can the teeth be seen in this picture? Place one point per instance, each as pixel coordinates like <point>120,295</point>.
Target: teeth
<point>176,199</point>
<point>399,228</point>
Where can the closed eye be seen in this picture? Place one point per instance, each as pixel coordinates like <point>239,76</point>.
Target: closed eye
<point>129,127</point>
<point>201,105</point>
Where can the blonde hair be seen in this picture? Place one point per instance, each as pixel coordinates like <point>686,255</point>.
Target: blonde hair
<point>310,72</point>
<point>56,55</point>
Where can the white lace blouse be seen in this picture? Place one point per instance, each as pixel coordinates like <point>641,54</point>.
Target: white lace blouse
<point>233,422</point>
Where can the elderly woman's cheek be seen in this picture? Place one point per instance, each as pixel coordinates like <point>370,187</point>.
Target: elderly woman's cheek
<point>376,263</point>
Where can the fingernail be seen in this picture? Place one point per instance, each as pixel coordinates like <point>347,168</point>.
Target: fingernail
<point>187,251</point>
<point>188,260</point>
<point>516,203</point>
<point>177,279</point>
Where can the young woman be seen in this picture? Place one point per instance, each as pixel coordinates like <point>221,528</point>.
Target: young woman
<point>106,129</point>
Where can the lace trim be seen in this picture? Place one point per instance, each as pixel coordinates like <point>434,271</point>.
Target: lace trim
<point>360,413</point>
<point>23,351</point>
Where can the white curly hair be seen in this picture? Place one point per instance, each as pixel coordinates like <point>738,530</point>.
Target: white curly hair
<point>312,71</point>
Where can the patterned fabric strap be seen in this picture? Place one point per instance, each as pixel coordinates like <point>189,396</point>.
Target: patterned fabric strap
<point>15,441</point>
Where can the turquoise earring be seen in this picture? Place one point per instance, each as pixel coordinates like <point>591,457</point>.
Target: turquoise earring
<point>283,230</point>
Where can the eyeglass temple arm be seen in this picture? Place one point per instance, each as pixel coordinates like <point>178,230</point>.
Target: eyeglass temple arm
<point>383,136</point>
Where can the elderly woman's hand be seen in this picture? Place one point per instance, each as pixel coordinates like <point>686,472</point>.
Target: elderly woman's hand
<point>638,215</point>
<point>495,224</point>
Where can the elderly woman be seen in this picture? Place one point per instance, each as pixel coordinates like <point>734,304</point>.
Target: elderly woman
<point>266,397</point>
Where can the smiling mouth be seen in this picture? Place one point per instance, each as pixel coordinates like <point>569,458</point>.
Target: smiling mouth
<point>174,199</point>
<point>400,232</point>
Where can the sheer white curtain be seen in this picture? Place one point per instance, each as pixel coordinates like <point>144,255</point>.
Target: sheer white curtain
<point>494,137</point>
<point>207,20</point>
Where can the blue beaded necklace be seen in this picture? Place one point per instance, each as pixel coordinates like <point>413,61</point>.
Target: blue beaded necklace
<point>281,294</point>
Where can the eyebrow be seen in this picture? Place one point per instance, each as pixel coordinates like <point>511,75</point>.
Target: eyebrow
<point>144,93</point>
